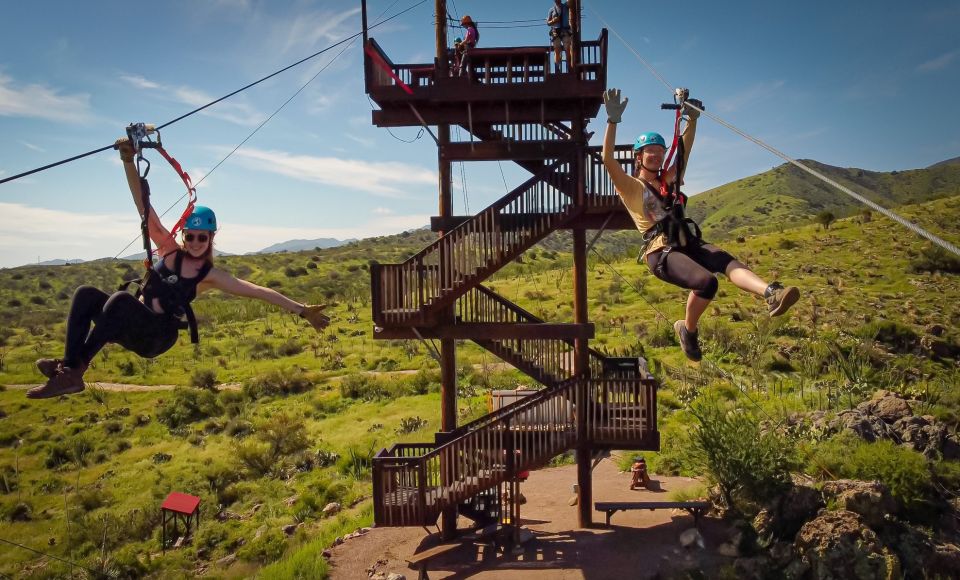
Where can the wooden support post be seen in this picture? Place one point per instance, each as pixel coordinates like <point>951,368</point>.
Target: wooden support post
<point>443,66</point>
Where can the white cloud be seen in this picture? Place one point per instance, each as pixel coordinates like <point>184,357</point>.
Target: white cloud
<point>757,92</point>
<point>42,102</point>
<point>387,179</point>
<point>365,141</point>
<point>382,211</point>
<point>139,82</point>
<point>233,112</point>
<point>27,233</point>
<point>938,63</point>
<point>315,29</point>
<point>33,147</point>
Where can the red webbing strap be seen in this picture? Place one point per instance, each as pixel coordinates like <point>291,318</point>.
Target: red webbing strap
<point>378,59</point>
<point>191,201</point>
<point>673,149</point>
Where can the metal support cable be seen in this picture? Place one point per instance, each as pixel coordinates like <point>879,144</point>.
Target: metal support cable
<point>846,190</point>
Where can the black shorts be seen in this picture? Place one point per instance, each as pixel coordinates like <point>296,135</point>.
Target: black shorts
<point>691,267</point>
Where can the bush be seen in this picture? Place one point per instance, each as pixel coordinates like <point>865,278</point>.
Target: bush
<point>290,348</point>
<point>16,512</point>
<point>935,259</point>
<point>187,406</point>
<point>744,461</point>
<point>279,382</point>
<point>204,378</point>
<point>265,549</point>
<point>903,471</point>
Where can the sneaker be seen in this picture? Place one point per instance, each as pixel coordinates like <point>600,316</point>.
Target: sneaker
<point>67,382</point>
<point>49,367</point>
<point>688,341</point>
<point>780,299</point>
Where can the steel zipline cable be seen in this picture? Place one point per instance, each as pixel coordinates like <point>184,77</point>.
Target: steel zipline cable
<point>214,102</point>
<point>917,229</point>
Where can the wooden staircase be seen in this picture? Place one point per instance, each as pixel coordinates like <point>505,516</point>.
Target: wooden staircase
<point>414,483</point>
<point>514,107</point>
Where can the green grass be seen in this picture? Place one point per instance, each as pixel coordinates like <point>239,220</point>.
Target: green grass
<point>857,284</point>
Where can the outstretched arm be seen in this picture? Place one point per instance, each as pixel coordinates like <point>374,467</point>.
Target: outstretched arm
<point>230,284</point>
<point>615,107</point>
<point>159,234</point>
<point>688,135</point>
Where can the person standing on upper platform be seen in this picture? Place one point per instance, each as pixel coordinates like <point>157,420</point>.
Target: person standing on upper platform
<point>561,35</point>
<point>462,48</point>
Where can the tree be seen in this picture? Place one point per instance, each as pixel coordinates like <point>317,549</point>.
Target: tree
<point>825,218</point>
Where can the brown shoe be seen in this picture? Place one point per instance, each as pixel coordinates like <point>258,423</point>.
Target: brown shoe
<point>688,341</point>
<point>780,299</point>
<point>49,367</point>
<point>67,382</point>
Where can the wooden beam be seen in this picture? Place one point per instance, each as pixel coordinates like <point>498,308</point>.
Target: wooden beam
<point>398,114</point>
<point>513,150</point>
<point>621,220</point>
<point>492,331</point>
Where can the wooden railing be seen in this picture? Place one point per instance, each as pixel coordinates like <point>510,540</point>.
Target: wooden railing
<point>599,186</point>
<point>447,268</point>
<point>412,491</point>
<point>490,66</point>
<point>549,361</point>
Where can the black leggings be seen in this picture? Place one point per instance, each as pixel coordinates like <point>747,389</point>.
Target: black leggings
<point>691,268</point>
<point>118,318</point>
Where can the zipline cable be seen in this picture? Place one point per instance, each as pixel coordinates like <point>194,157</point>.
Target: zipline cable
<point>265,121</point>
<point>198,109</point>
<point>917,229</point>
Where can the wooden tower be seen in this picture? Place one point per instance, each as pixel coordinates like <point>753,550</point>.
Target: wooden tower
<point>513,106</point>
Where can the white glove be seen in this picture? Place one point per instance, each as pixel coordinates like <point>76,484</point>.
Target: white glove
<point>689,111</point>
<point>614,105</point>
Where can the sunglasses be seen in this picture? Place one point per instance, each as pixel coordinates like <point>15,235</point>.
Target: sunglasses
<point>199,237</point>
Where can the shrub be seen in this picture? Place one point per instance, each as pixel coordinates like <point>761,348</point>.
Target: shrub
<point>204,378</point>
<point>357,462</point>
<point>411,424</point>
<point>285,433</point>
<point>187,406</point>
<point>265,549</point>
<point>935,259</point>
<point>290,348</point>
<point>279,382</point>
<point>897,336</point>
<point>17,512</point>
<point>361,386</point>
<point>903,471</point>
<point>255,456</point>
<point>744,461</point>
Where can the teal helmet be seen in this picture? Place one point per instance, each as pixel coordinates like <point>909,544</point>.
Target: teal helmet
<point>202,218</point>
<point>650,138</point>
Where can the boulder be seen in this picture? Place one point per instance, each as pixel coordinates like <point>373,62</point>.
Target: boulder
<point>331,508</point>
<point>869,499</point>
<point>866,426</point>
<point>921,435</point>
<point>839,545</point>
<point>795,507</point>
<point>887,406</point>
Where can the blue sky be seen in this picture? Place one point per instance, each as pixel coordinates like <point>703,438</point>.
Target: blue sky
<point>862,84</point>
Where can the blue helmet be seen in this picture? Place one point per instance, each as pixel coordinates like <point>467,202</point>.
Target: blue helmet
<point>202,218</point>
<point>650,138</point>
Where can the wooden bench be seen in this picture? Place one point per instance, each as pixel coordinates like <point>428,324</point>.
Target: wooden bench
<point>696,508</point>
<point>421,560</point>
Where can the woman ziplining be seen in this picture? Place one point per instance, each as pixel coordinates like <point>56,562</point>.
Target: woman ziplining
<point>149,322</point>
<point>673,247</point>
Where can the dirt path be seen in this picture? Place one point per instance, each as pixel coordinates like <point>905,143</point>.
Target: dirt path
<point>123,387</point>
<point>639,544</point>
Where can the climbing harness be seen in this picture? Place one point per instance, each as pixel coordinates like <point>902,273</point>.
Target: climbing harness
<point>678,230</point>
<point>171,291</point>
